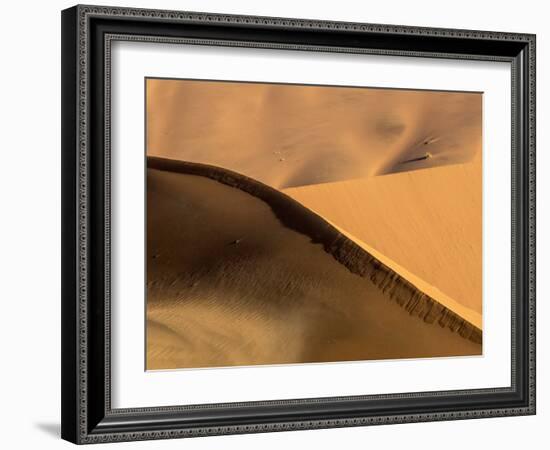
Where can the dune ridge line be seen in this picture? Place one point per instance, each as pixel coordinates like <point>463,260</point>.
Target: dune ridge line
<point>357,260</point>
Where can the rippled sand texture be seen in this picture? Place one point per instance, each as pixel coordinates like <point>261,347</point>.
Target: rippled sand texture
<point>231,282</point>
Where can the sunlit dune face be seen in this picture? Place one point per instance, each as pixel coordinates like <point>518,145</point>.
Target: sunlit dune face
<point>295,135</point>
<point>427,221</point>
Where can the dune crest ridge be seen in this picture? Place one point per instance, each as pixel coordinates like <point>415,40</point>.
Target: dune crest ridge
<point>342,248</point>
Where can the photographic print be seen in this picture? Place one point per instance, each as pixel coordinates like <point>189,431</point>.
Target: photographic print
<point>301,223</point>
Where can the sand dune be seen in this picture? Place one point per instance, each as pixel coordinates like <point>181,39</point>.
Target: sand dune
<point>295,135</point>
<point>428,221</point>
<point>240,274</point>
<point>430,290</point>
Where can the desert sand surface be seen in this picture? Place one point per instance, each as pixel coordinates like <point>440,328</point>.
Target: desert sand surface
<point>430,290</point>
<point>427,221</point>
<point>240,274</point>
<point>295,135</point>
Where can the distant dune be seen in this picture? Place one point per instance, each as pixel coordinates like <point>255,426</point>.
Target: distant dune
<point>295,135</point>
<point>238,273</point>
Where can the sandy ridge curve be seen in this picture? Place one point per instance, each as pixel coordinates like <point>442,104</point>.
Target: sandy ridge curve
<point>357,260</point>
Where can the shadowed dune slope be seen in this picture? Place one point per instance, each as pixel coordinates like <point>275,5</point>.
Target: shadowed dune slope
<point>240,274</point>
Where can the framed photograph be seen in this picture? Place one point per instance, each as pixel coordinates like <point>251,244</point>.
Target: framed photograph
<point>277,224</point>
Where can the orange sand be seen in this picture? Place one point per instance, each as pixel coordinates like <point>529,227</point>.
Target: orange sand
<point>397,171</point>
<point>292,135</point>
<point>428,221</point>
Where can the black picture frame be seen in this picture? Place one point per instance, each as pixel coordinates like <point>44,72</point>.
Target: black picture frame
<point>87,416</point>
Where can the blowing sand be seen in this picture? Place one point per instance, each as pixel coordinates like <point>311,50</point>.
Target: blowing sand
<point>232,280</point>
